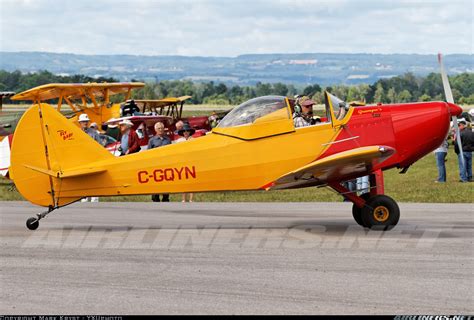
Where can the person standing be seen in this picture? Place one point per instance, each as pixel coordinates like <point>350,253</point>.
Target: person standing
<point>84,123</point>
<point>440,154</point>
<point>159,140</point>
<point>113,130</point>
<point>95,127</point>
<point>363,185</point>
<point>179,126</point>
<point>467,144</point>
<point>129,139</point>
<point>213,120</point>
<point>186,134</point>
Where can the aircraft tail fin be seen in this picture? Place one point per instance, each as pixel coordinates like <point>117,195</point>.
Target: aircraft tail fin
<point>46,148</point>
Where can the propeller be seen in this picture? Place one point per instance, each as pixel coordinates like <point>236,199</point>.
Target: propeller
<point>449,98</point>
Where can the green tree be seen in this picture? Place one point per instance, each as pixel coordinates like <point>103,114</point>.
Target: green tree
<point>424,97</point>
<point>217,99</point>
<point>363,92</point>
<point>262,89</point>
<point>431,85</point>
<point>340,92</point>
<point>392,95</point>
<point>318,97</point>
<point>467,100</point>
<point>148,92</point>
<point>463,83</point>
<point>311,90</point>
<point>221,89</point>
<point>404,96</point>
<point>379,95</point>
<point>279,89</point>
<point>353,94</point>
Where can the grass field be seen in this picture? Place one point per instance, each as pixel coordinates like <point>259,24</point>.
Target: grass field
<point>417,185</point>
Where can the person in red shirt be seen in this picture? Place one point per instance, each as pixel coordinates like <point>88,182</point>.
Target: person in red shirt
<point>129,138</point>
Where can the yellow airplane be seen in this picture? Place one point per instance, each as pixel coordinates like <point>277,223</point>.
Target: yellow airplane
<point>255,147</point>
<point>90,98</point>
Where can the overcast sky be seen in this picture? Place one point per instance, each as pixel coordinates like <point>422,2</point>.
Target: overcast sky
<point>234,27</point>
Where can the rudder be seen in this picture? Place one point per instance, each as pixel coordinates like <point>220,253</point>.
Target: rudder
<point>45,147</point>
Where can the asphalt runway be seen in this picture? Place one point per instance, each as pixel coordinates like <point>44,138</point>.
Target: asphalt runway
<point>237,258</point>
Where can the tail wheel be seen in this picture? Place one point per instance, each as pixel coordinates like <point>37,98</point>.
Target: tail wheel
<point>357,212</point>
<point>380,213</point>
<point>32,223</point>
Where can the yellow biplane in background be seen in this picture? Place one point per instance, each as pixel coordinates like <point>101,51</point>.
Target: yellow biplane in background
<point>90,98</point>
<point>171,106</point>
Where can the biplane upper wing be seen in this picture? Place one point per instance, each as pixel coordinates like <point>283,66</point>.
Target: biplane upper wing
<point>337,167</point>
<point>76,90</point>
<point>178,99</point>
<point>163,102</point>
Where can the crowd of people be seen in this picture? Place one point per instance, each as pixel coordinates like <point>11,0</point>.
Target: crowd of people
<point>466,136</point>
<point>129,143</point>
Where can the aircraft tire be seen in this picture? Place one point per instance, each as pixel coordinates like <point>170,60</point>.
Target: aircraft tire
<point>32,223</point>
<point>380,213</point>
<point>357,212</point>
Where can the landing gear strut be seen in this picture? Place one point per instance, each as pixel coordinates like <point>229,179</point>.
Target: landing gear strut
<point>357,212</point>
<point>33,222</point>
<point>372,210</point>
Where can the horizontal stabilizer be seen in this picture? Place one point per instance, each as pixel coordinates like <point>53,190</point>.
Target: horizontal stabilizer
<point>68,173</point>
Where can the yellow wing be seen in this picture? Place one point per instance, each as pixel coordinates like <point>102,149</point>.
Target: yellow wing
<point>162,102</point>
<point>76,90</point>
<point>337,167</point>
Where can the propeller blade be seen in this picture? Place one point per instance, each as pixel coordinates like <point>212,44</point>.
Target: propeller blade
<point>449,98</point>
<point>458,136</point>
<point>447,88</point>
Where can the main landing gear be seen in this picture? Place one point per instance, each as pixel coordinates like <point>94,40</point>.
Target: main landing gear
<point>372,210</point>
<point>33,222</point>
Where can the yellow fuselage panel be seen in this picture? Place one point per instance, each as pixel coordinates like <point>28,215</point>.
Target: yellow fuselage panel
<point>55,163</point>
<point>211,163</point>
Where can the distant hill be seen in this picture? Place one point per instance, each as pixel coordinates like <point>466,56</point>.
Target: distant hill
<point>297,69</point>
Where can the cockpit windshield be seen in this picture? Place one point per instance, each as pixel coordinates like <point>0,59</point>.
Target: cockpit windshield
<point>262,109</point>
<point>339,107</point>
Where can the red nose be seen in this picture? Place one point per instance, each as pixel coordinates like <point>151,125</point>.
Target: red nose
<point>454,110</point>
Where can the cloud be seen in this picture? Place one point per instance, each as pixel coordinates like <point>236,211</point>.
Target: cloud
<point>230,28</point>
